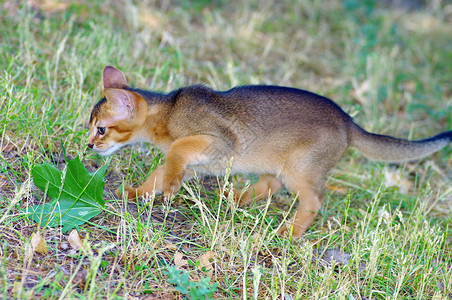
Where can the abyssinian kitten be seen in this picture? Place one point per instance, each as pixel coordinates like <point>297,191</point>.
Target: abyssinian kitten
<point>290,137</point>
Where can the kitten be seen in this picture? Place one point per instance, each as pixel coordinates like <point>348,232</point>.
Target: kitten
<point>290,137</point>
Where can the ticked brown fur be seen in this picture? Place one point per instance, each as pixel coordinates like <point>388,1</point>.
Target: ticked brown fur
<point>290,137</point>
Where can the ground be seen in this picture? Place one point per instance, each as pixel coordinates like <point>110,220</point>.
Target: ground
<point>384,231</point>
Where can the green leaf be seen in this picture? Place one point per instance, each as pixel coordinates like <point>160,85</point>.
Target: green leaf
<point>47,174</point>
<point>77,195</point>
<point>63,213</point>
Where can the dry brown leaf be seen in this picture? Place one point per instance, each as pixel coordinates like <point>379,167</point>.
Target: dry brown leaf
<point>38,244</point>
<point>396,178</point>
<point>74,240</point>
<point>178,259</point>
<point>204,262</point>
<point>337,189</point>
<point>150,19</point>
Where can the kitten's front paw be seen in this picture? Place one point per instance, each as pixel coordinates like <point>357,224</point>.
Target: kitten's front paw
<point>283,231</point>
<point>172,186</point>
<point>130,192</point>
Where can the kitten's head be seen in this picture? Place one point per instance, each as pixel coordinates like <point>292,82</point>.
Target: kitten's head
<point>114,121</point>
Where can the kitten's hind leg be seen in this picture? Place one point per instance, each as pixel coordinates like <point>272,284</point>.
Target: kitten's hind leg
<point>152,185</point>
<point>307,185</point>
<point>310,202</point>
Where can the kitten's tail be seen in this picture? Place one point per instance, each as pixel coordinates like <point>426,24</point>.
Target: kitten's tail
<point>390,149</point>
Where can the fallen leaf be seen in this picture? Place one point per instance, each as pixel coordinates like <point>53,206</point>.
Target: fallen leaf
<point>204,262</point>
<point>337,189</point>
<point>38,244</point>
<point>63,246</point>
<point>394,178</point>
<point>74,240</point>
<point>178,259</point>
<point>77,195</point>
<point>150,19</point>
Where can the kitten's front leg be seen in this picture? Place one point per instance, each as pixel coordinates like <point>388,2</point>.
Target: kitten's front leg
<point>190,150</point>
<point>152,185</point>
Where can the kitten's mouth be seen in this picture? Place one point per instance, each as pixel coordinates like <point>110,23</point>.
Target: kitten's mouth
<point>107,152</point>
<point>100,151</point>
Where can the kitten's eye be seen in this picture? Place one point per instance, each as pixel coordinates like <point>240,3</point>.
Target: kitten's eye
<point>101,130</point>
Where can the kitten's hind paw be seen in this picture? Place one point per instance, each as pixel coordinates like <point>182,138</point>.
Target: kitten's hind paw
<point>240,197</point>
<point>243,197</point>
<point>291,230</point>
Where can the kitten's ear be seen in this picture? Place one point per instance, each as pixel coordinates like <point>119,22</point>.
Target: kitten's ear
<point>112,78</point>
<point>120,99</point>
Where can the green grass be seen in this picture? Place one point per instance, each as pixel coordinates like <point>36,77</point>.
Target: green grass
<point>387,227</point>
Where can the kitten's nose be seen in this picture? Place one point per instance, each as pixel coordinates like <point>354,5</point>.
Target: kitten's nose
<point>90,146</point>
